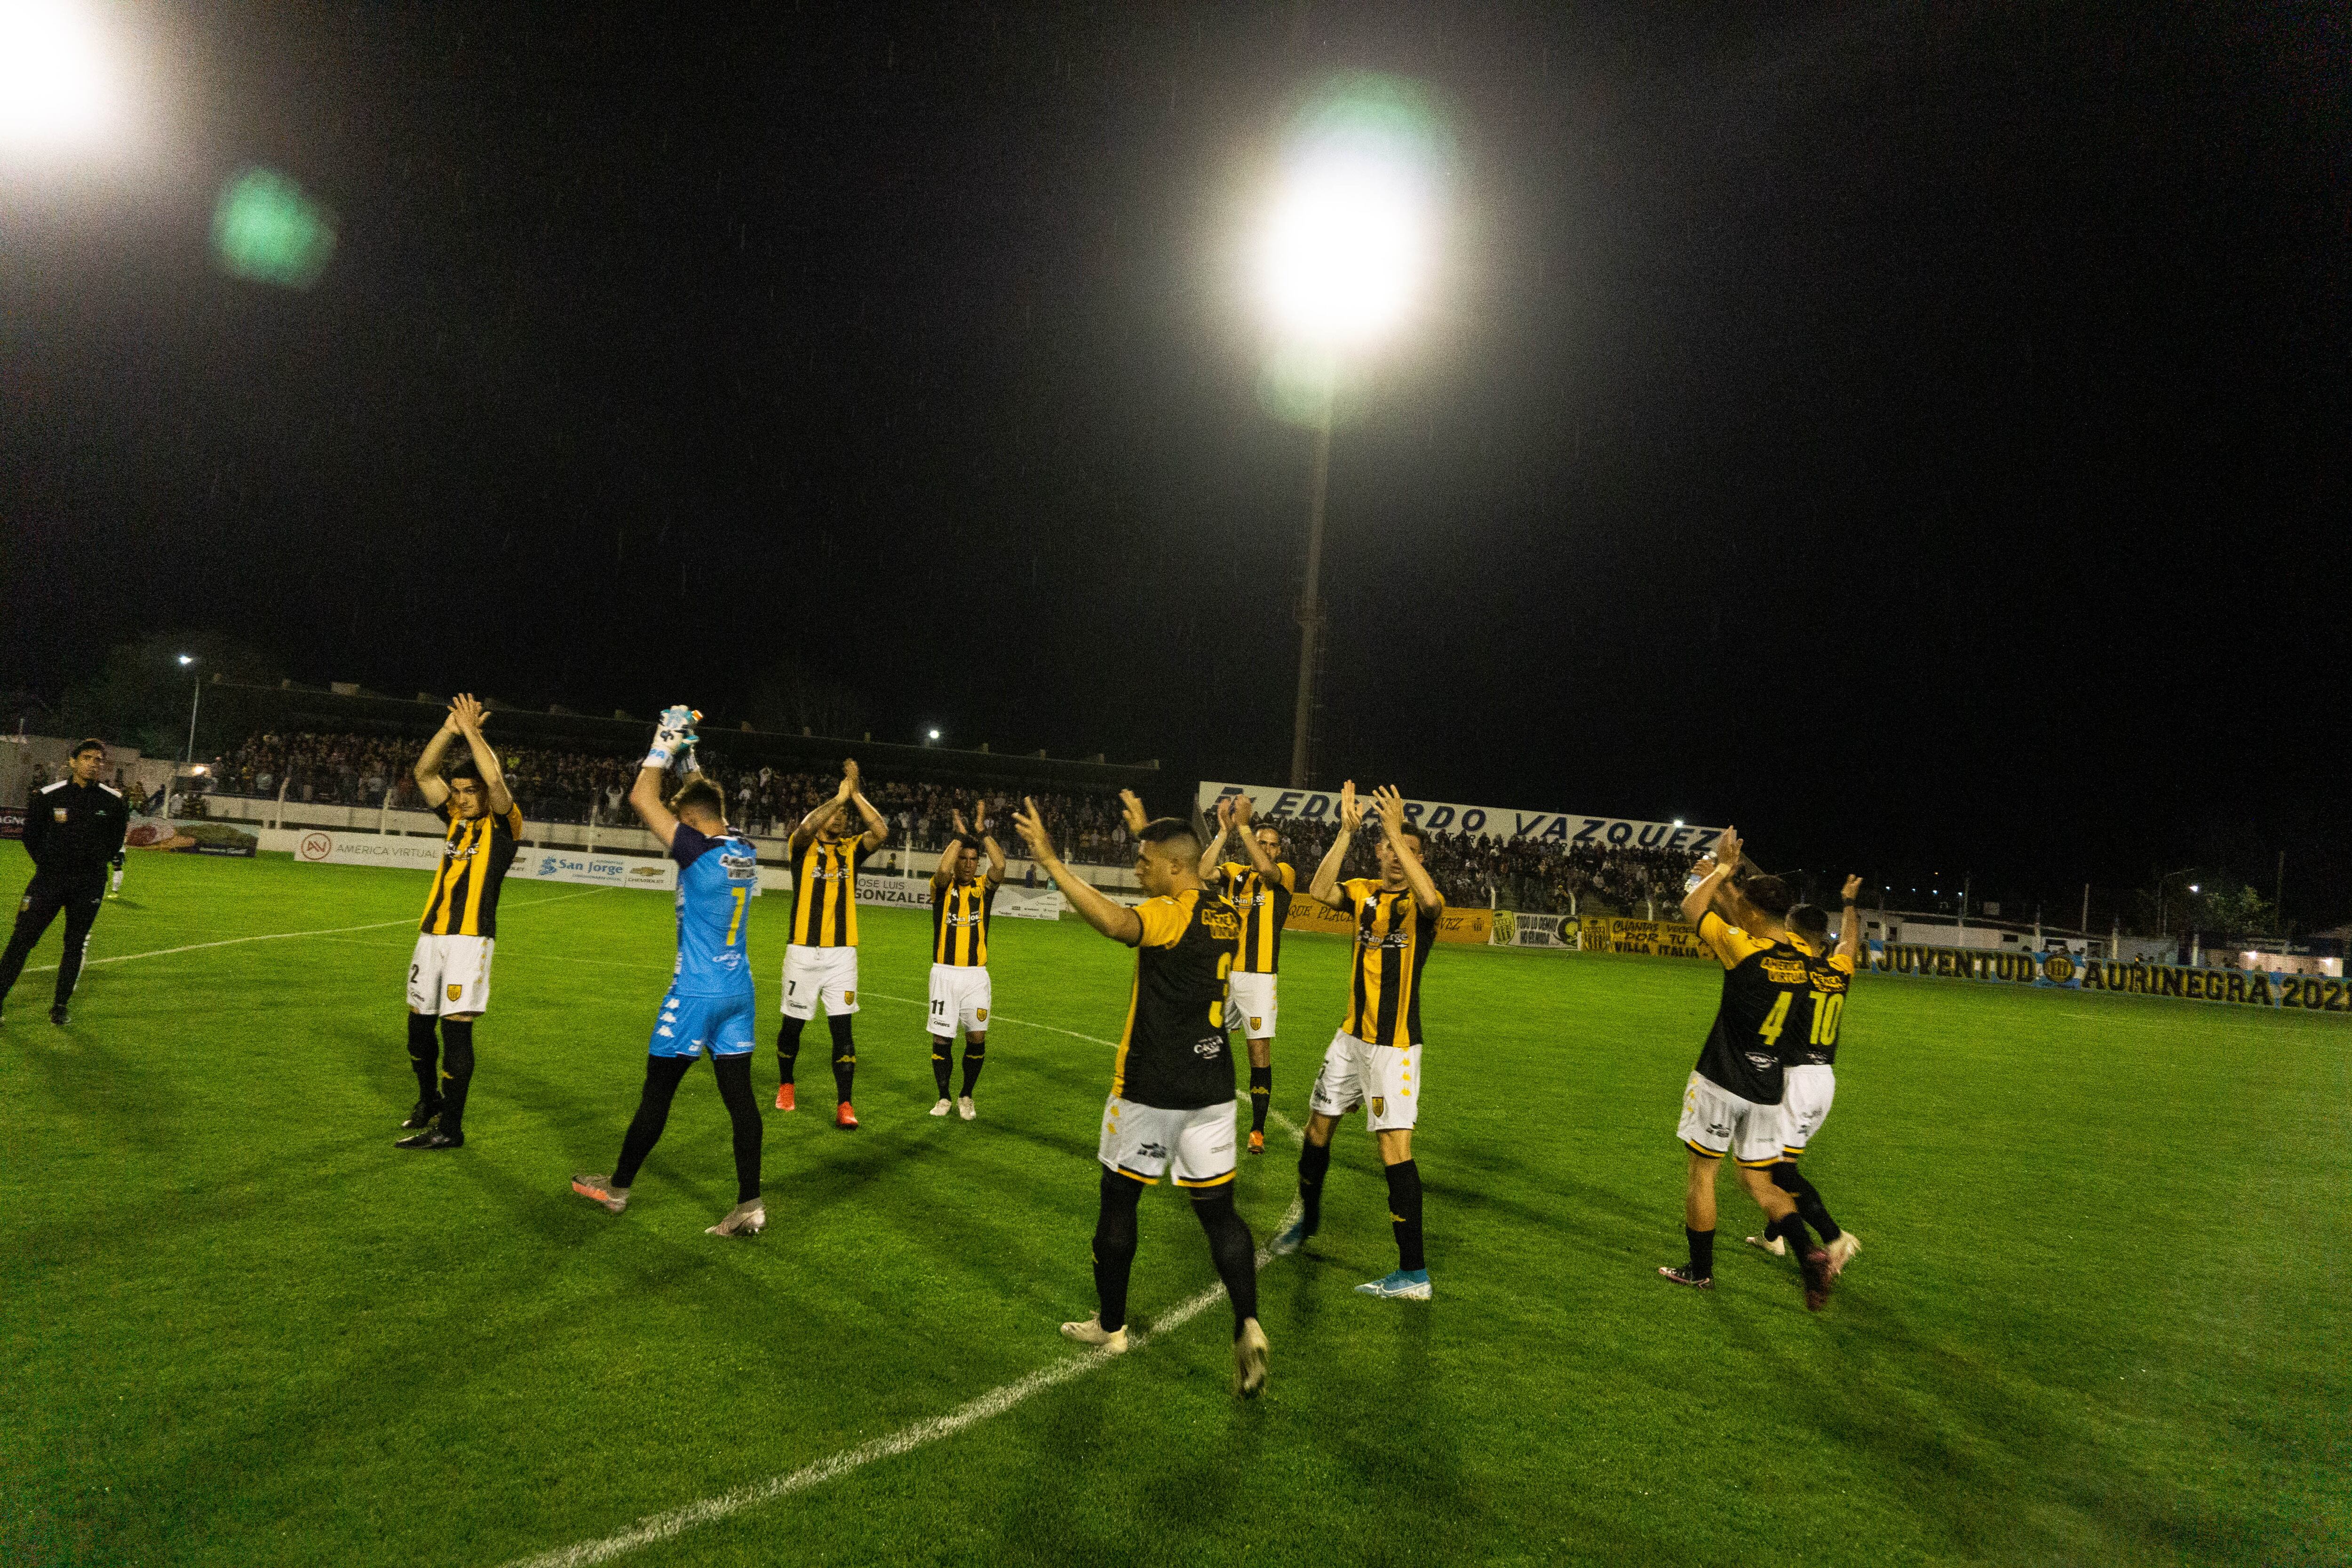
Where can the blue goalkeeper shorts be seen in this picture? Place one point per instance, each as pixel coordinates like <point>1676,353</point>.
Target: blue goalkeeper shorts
<point>690,1026</point>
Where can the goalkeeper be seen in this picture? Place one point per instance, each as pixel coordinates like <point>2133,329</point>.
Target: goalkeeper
<point>709,1007</point>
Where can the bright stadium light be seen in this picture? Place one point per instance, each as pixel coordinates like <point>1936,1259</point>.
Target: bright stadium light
<point>186,659</point>
<point>1342,254</point>
<point>935,735</point>
<point>59,86</point>
<point>1346,246</point>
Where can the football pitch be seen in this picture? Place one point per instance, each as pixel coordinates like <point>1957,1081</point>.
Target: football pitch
<point>2100,1316</point>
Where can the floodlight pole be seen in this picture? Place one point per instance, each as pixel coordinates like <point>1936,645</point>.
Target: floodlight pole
<point>1310,608</point>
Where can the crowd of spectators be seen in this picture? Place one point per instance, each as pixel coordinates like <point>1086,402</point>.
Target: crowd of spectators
<point>765,802</point>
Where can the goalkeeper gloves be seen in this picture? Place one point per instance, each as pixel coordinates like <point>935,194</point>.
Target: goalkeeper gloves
<point>671,734</point>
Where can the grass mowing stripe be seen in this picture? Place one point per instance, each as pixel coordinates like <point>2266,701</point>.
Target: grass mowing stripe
<point>668,1526</point>
<point>287,935</point>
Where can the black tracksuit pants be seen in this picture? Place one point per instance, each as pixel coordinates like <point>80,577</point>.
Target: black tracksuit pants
<point>78,898</point>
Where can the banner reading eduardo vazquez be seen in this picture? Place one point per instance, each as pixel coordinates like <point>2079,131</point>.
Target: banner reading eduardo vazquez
<point>1566,829</point>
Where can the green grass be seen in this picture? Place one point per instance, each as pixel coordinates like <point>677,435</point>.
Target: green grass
<point>2101,1316</point>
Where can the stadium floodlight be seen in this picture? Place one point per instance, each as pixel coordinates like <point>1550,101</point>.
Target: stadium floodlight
<point>1344,253</point>
<point>935,735</point>
<point>194,701</point>
<point>60,88</point>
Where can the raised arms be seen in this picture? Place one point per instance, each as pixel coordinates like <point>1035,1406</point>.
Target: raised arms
<point>1426,896</point>
<point>470,717</point>
<point>645,795</point>
<point>1850,931</point>
<point>1726,860</point>
<point>1114,919</point>
<point>1351,820</point>
<point>1212,857</point>
<point>427,771</point>
<point>818,820</point>
<point>1244,811</point>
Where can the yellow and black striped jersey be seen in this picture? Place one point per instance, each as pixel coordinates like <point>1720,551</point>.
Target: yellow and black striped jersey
<point>959,912</point>
<point>1264,905</point>
<point>1393,941</point>
<point>475,854</point>
<point>824,892</point>
<point>1174,1053</point>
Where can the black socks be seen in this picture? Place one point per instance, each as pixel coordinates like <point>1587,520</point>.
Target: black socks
<point>940,1063</point>
<point>1790,1179</point>
<point>1702,1252</point>
<point>424,1058</point>
<point>1261,1095</point>
<point>845,1055</point>
<point>1314,1161</point>
<point>1231,1249</point>
<point>456,1074</point>
<point>1115,1245</point>
<point>743,1113</point>
<point>975,1057</point>
<point>662,1074</point>
<point>1404,1212</point>
<point>1790,1228</point>
<point>788,1045</point>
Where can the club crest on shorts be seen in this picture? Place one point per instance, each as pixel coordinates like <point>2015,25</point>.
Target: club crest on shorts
<point>1380,1105</point>
<point>980,1013</point>
<point>848,998</point>
<point>456,991</point>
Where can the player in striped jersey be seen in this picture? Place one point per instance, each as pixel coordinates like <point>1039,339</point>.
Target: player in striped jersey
<point>1375,1058</point>
<point>1810,1080</point>
<point>1261,888</point>
<point>821,962</point>
<point>963,899</point>
<point>1171,1108</point>
<point>449,972</point>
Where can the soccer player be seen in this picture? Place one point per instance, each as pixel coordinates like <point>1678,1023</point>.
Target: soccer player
<point>449,972</point>
<point>963,899</point>
<point>73,829</point>
<point>820,962</point>
<point>1261,888</point>
<point>710,1003</point>
<point>1732,1102</point>
<point>1171,1090</point>
<point>1811,1079</point>
<point>1375,1058</point>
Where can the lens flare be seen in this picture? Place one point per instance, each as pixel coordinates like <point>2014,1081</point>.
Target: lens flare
<point>267,230</point>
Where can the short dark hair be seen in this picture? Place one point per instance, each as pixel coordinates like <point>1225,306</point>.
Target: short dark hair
<point>1166,830</point>
<point>92,744</point>
<point>1810,920</point>
<point>1413,830</point>
<point>1769,894</point>
<point>699,794</point>
<point>466,769</point>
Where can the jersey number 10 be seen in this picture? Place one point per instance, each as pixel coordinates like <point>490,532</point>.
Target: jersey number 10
<point>1829,1006</point>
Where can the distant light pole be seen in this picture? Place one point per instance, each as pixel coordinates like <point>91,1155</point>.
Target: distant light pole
<point>195,700</point>
<point>1346,246</point>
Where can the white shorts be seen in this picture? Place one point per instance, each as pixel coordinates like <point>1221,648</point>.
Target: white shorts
<point>959,999</point>
<point>1805,1105</point>
<point>450,974</point>
<point>1251,1006</point>
<point>813,972</point>
<point>1140,1141</point>
<point>1716,1121</point>
<point>1386,1079</point>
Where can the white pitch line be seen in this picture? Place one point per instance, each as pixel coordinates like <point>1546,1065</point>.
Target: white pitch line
<point>656,1528</point>
<point>287,935</point>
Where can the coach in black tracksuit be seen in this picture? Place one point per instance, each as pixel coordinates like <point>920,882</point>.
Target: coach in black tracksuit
<point>73,830</point>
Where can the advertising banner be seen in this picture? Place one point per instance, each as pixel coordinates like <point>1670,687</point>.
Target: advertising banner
<point>2243,987</point>
<point>1562,829</point>
<point>1454,925</point>
<point>319,847</point>
<point>12,822</point>
<point>596,870</point>
<point>196,837</point>
<point>915,893</point>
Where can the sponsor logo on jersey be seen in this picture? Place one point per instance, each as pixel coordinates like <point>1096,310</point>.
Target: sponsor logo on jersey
<point>1152,1151</point>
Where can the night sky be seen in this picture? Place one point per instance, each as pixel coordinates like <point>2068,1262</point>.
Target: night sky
<point>1918,438</point>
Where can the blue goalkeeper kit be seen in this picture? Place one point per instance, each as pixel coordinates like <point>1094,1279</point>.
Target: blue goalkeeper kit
<point>710,1003</point>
